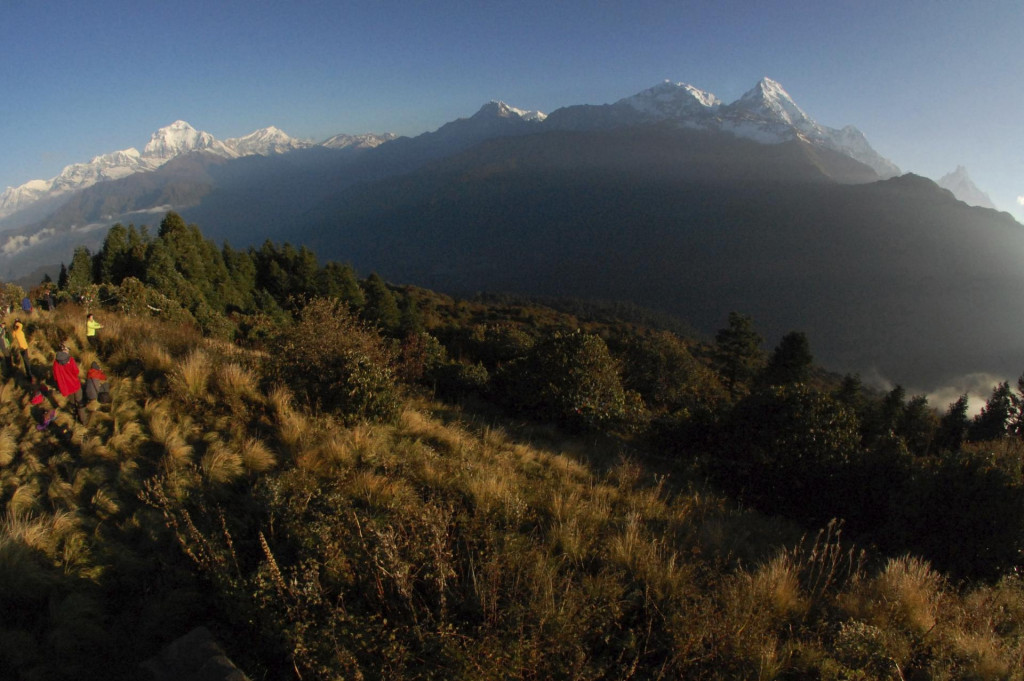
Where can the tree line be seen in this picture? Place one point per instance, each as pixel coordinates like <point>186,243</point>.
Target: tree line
<point>771,428</point>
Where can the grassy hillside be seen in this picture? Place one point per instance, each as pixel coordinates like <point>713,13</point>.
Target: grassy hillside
<point>463,539</point>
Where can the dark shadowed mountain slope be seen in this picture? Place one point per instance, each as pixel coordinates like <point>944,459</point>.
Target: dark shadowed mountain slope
<point>895,277</point>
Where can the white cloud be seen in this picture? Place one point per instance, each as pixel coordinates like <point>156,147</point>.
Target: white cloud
<point>1020,200</point>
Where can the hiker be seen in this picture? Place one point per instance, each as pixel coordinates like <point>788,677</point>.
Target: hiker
<point>96,387</point>
<point>51,304</point>
<point>44,415</point>
<point>65,372</point>
<point>91,325</point>
<point>26,305</point>
<point>19,345</point>
<point>5,349</point>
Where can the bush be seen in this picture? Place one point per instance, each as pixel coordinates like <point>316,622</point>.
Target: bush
<point>573,378</point>
<point>339,364</point>
<point>458,379</point>
<point>788,448</point>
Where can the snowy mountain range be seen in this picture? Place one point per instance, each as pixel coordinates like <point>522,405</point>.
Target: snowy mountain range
<point>766,114</point>
<point>165,144</point>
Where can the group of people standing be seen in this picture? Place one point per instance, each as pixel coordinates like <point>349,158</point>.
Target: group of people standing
<point>14,349</point>
<point>69,383</point>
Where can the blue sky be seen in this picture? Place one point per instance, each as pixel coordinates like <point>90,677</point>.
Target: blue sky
<point>932,84</point>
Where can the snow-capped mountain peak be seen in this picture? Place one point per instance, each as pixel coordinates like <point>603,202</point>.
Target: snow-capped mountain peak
<point>367,141</point>
<point>181,138</point>
<point>672,100</point>
<point>768,100</point>
<point>964,189</point>
<point>264,142</point>
<point>502,110</point>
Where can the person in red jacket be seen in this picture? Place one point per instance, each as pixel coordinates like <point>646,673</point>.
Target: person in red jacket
<point>96,387</point>
<point>65,373</point>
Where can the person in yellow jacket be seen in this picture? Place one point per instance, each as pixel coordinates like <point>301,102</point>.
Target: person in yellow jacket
<point>91,326</point>
<point>20,345</point>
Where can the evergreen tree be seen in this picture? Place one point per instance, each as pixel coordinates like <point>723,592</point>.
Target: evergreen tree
<point>242,273</point>
<point>410,319</point>
<point>953,426</point>
<point>62,278</point>
<point>339,281</point>
<point>304,270</point>
<point>381,307</point>
<point>738,351</point>
<point>790,361</point>
<point>80,272</point>
<point>995,416</point>
<point>918,425</point>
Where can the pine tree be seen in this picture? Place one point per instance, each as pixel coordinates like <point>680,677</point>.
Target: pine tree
<point>991,423</point>
<point>381,307</point>
<point>790,361</point>
<point>953,426</point>
<point>738,351</point>
<point>80,272</point>
<point>339,281</point>
<point>112,259</point>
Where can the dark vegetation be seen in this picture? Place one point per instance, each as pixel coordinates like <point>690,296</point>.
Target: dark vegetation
<point>343,478</point>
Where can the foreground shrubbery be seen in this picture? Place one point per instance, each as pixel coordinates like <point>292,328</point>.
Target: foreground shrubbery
<point>438,546</point>
<point>301,492</point>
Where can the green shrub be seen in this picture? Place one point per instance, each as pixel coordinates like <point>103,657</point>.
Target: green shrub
<point>572,378</point>
<point>786,447</point>
<point>339,364</point>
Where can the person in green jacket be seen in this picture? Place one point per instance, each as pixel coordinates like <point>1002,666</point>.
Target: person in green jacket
<point>5,349</point>
<point>91,325</point>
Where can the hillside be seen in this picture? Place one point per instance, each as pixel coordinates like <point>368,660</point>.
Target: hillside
<point>406,500</point>
<point>893,279</point>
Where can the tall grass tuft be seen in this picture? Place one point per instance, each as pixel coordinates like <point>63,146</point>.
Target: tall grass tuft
<point>256,455</point>
<point>191,378</point>
<point>155,357</point>
<point>776,585</point>
<point>24,501</point>
<point>221,464</point>
<point>235,383</point>
<point>908,592</point>
<point>165,431</point>
<point>8,445</point>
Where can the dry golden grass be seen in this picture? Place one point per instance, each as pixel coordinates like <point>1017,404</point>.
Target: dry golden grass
<point>235,382</point>
<point>292,429</point>
<point>61,494</point>
<point>775,585</point>
<point>256,456</point>
<point>24,501</point>
<point>496,491</point>
<point>8,386</point>
<point>95,449</point>
<point>382,491</point>
<point>190,379</point>
<point>8,444</point>
<point>167,432</point>
<point>105,503</point>
<point>154,357</point>
<point>906,593</point>
<point>221,464</point>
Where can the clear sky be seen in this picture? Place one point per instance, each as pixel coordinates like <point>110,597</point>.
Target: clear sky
<point>932,84</point>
